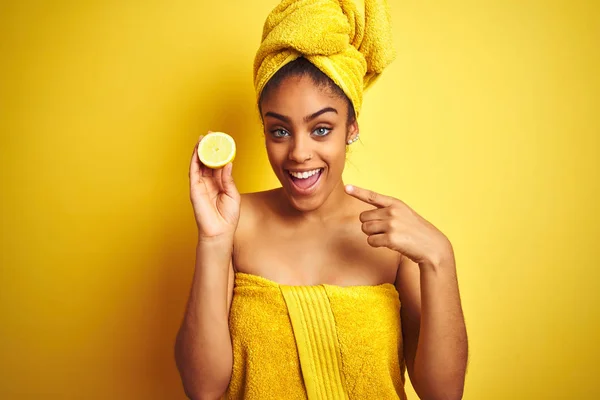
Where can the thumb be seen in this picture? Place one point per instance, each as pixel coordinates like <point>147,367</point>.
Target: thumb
<point>227,182</point>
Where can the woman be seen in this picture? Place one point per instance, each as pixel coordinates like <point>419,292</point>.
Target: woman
<point>317,289</point>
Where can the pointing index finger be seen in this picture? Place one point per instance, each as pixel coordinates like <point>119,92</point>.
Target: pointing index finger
<point>369,196</point>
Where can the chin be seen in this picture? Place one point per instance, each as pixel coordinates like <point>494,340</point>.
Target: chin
<point>304,204</point>
<point>305,194</point>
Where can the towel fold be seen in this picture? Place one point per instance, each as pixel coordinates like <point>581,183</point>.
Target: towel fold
<point>315,342</point>
<point>349,40</point>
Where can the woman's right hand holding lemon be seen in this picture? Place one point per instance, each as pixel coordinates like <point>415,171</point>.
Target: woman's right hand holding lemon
<point>214,196</point>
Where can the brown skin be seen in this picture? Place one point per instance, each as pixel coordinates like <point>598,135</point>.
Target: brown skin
<point>355,237</point>
<point>295,143</point>
<point>326,221</point>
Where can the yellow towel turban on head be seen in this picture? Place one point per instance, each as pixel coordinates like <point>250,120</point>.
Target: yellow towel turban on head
<point>349,40</point>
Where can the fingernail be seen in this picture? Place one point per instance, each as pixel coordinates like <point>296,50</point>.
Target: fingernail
<point>349,188</point>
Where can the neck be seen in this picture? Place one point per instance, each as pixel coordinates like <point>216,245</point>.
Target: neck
<point>334,206</point>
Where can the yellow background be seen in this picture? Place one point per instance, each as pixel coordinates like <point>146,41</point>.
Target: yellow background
<point>487,124</point>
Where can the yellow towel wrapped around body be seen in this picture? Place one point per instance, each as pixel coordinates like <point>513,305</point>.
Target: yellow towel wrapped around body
<point>349,40</point>
<point>315,342</point>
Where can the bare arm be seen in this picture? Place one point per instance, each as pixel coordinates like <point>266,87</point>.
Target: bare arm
<point>435,338</point>
<point>203,350</point>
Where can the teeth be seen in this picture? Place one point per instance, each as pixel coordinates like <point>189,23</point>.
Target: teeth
<point>305,174</point>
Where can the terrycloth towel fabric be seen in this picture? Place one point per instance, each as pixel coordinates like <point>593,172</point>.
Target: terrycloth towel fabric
<point>315,342</point>
<point>349,40</point>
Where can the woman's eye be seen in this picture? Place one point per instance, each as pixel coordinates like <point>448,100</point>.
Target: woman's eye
<point>322,131</point>
<point>279,133</point>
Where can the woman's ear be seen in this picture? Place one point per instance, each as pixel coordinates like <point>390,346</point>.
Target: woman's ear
<point>352,130</point>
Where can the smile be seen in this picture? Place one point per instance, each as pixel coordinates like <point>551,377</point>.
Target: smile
<point>305,182</point>
<point>304,174</point>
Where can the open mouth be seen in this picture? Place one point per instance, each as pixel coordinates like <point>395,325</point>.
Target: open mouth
<point>305,182</point>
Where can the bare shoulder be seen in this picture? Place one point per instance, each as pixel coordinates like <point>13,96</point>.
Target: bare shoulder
<point>254,208</point>
<point>381,262</point>
<point>357,207</point>
<point>256,205</point>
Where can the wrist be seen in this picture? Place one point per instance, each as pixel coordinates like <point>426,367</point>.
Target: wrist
<point>442,261</point>
<point>438,268</point>
<point>215,241</point>
<point>214,249</point>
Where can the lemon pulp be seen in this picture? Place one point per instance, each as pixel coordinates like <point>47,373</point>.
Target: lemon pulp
<point>216,149</point>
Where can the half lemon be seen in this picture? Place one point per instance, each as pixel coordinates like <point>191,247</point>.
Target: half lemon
<point>216,150</point>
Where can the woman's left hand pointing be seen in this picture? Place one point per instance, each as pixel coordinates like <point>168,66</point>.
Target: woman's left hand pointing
<point>394,225</point>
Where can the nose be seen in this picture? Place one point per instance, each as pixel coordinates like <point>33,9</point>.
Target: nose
<point>300,149</point>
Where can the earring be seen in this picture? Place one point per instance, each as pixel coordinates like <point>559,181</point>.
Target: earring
<point>350,141</point>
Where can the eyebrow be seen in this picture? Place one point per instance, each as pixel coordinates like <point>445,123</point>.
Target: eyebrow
<point>308,118</point>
